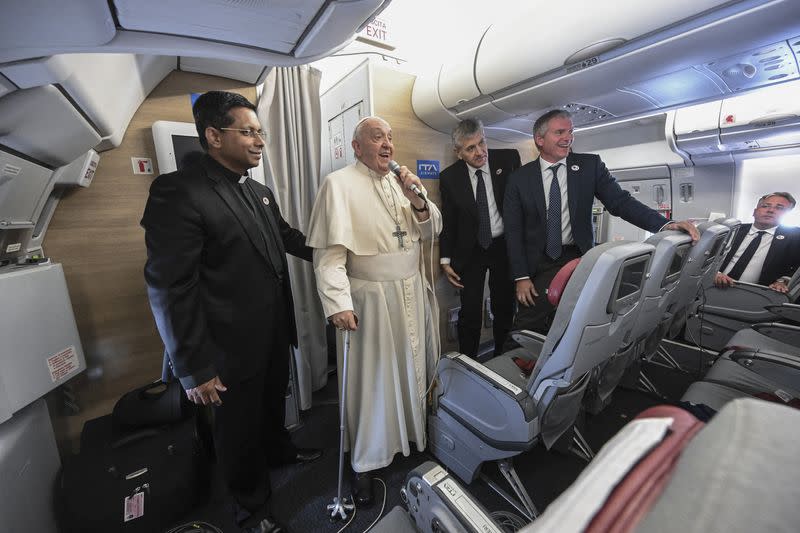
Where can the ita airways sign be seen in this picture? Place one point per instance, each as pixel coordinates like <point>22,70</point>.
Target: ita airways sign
<point>376,33</point>
<point>428,169</point>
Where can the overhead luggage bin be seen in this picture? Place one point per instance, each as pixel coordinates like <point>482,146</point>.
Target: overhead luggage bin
<point>281,33</point>
<point>646,57</point>
<point>768,119</point>
<point>27,119</point>
<point>126,80</point>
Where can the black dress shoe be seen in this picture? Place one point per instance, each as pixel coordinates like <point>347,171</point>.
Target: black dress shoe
<point>306,455</point>
<point>362,488</point>
<point>267,525</point>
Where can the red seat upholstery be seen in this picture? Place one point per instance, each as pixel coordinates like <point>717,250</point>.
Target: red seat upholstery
<point>556,288</point>
<point>636,494</point>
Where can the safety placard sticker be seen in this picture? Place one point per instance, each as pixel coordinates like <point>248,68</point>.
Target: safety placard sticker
<point>134,506</point>
<point>16,247</point>
<point>63,363</point>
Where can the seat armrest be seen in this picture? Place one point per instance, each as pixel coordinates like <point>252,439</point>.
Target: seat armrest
<point>786,311</point>
<point>434,496</point>
<point>786,333</point>
<point>781,369</point>
<point>531,341</point>
<point>746,302</point>
<point>487,374</point>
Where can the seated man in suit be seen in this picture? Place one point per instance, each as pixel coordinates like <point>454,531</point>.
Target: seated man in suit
<point>472,239</point>
<point>764,252</point>
<point>547,213</point>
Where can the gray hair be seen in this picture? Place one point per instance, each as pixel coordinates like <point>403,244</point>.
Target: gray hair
<point>785,195</point>
<point>540,126</point>
<point>466,128</point>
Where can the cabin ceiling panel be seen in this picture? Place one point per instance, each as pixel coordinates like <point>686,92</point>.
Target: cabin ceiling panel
<point>664,61</point>
<point>526,45</point>
<point>675,88</point>
<point>31,28</point>
<point>6,86</point>
<point>235,70</point>
<point>266,32</point>
<point>756,68</point>
<point>271,25</point>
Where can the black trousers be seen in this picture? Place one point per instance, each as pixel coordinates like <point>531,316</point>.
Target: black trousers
<point>249,427</point>
<point>501,291</point>
<point>538,316</point>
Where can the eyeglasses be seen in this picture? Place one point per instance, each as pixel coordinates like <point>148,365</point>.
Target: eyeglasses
<point>248,133</point>
<point>776,207</point>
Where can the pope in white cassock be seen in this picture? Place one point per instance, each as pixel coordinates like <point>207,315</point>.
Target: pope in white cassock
<point>367,229</point>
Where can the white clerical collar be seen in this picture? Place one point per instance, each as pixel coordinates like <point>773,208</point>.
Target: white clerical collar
<point>364,169</point>
<point>544,164</point>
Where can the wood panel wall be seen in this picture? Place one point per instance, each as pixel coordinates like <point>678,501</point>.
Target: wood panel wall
<point>95,234</point>
<point>413,139</point>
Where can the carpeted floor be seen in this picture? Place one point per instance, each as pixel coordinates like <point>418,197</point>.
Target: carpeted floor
<point>302,492</point>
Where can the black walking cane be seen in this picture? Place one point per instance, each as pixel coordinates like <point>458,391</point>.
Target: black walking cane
<point>340,506</point>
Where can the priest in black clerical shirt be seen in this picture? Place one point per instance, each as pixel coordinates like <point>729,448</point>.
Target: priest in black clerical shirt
<point>219,289</point>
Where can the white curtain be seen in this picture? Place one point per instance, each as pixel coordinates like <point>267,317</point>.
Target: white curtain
<point>289,109</point>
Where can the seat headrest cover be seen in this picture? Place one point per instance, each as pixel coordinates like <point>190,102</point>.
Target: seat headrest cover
<point>559,282</point>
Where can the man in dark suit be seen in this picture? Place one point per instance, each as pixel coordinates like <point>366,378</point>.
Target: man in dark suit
<point>764,252</point>
<point>472,239</point>
<point>548,214</point>
<point>218,284</point>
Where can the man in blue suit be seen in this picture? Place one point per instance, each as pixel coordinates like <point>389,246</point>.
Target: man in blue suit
<point>548,222</point>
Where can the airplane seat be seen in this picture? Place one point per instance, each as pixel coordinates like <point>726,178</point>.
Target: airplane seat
<point>729,310</point>
<point>701,266</point>
<point>530,342</point>
<point>671,253</point>
<point>663,472</point>
<point>493,412</point>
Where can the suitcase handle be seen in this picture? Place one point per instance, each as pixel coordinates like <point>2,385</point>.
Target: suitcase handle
<point>133,437</point>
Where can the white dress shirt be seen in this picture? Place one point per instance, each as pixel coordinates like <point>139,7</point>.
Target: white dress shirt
<point>752,272</point>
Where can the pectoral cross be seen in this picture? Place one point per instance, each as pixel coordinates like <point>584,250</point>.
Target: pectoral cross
<point>400,234</point>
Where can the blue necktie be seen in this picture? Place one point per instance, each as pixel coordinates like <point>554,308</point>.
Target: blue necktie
<point>484,226</point>
<point>553,233</point>
<point>738,269</point>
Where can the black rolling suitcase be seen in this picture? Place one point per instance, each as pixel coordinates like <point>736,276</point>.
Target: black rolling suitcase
<point>133,480</point>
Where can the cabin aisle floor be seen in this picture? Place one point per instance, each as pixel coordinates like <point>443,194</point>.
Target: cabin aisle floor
<point>302,492</point>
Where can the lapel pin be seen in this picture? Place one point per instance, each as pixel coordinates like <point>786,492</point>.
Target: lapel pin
<point>498,171</point>
<point>265,200</point>
<point>575,168</point>
<point>779,236</point>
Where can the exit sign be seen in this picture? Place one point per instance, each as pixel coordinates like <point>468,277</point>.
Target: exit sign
<point>376,33</point>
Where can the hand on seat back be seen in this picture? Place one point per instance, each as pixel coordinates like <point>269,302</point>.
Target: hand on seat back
<point>723,281</point>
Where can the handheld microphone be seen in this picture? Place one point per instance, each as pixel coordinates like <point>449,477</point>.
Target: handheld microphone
<point>395,168</point>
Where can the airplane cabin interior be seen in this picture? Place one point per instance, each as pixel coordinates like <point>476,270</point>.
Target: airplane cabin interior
<point>693,106</point>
